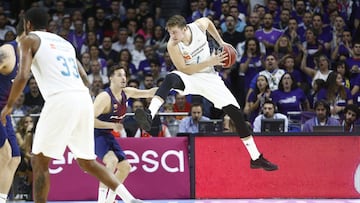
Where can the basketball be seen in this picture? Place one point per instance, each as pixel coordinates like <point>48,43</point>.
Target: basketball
<point>232,54</point>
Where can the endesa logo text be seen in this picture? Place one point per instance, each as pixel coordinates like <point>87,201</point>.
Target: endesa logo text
<point>150,161</point>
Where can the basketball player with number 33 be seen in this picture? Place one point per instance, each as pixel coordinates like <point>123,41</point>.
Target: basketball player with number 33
<point>67,118</point>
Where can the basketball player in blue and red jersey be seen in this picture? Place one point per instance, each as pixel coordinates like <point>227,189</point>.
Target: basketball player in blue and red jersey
<point>190,52</point>
<point>109,111</point>
<point>67,118</point>
<point>9,149</point>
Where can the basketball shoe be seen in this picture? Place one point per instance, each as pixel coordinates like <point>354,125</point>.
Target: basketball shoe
<point>143,118</point>
<point>261,162</point>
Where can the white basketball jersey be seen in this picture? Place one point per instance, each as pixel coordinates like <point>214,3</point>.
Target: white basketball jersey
<point>54,65</point>
<point>198,50</point>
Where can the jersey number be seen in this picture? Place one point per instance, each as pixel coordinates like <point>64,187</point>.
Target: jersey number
<point>69,67</point>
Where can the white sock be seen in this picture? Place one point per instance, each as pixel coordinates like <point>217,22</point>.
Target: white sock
<point>155,105</point>
<point>110,197</point>
<point>3,198</point>
<point>251,147</point>
<point>124,193</point>
<point>102,194</point>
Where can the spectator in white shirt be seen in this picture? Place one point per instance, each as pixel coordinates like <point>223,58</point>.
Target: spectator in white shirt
<point>124,41</point>
<point>268,111</point>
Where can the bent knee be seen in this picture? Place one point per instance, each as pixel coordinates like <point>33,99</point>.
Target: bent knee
<point>124,166</point>
<point>111,165</point>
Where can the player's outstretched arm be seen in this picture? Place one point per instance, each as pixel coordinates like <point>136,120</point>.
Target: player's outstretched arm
<point>137,93</point>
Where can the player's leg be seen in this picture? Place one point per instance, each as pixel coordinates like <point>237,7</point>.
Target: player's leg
<point>257,160</point>
<point>223,99</point>
<point>41,182</point>
<point>110,162</point>
<point>5,157</point>
<point>117,160</point>
<point>102,150</point>
<point>82,145</point>
<point>107,177</point>
<point>52,137</point>
<point>15,159</point>
<point>122,171</point>
<point>144,117</point>
<point>9,158</point>
<point>15,150</point>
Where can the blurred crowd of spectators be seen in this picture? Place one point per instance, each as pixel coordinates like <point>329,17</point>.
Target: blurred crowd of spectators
<point>292,52</point>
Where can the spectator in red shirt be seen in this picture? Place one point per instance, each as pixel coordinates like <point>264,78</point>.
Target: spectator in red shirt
<point>181,105</point>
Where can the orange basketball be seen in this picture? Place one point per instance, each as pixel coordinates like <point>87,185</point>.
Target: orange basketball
<point>232,54</point>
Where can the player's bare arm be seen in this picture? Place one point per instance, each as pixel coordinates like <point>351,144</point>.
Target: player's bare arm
<point>102,104</point>
<point>27,49</point>
<point>83,74</point>
<point>206,25</point>
<point>137,93</point>
<point>179,62</point>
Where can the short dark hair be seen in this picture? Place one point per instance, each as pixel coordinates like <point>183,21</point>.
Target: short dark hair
<point>148,75</point>
<point>134,81</point>
<point>268,101</point>
<point>139,37</point>
<point>354,108</point>
<point>196,104</point>
<point>113,68</point>
<point>38,17</point>
<point>155,61</point>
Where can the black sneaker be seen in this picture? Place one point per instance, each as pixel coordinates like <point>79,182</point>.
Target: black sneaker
<point>261,162</point>
<point>143,118</point>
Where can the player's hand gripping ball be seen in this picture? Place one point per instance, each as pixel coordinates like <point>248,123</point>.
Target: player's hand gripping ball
<point>232,54</point>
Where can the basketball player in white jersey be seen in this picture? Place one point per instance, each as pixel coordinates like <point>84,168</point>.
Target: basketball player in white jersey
<point>67,118</point>
<point>189,50</point>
